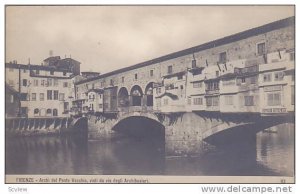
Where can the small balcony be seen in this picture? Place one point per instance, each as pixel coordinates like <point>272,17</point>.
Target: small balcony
<point>212,92</point>
<point>246,70</point>
<point>247,87</point>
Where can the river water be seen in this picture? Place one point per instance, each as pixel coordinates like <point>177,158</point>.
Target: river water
<point>273,155</point>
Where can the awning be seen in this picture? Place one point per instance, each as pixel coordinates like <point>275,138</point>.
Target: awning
<point>175,74</point>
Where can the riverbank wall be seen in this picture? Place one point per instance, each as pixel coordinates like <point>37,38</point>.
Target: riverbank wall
<point>39,126</point>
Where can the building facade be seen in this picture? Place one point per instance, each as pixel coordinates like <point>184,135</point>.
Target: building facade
<point>67,64</point>
<point>44,90</point>
<point>251,71</point>
<point>12,101</point>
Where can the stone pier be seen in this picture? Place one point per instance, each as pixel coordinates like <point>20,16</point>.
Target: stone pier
<point>186,133</point>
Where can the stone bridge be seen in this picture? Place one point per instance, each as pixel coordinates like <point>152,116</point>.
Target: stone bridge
<point>184,132</point>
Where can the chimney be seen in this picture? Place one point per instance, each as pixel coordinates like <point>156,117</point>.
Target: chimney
<point>51,53</point>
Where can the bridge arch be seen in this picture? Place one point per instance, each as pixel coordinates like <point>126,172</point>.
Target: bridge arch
<point>223,133</point>
<point>123,97</point>
<point>142,125</point>
<point>149,94</point>
<point>136,94</point>
<point>79,124</point>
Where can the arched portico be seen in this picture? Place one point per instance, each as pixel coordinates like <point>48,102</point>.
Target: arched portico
<point>136,95</point>
<point>149,94</point>
<point>123,97</point>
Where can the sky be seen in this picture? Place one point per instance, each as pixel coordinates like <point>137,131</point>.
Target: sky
<point>106,38</point>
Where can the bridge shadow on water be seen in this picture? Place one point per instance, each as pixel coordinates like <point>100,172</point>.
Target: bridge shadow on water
<point>139,147</point>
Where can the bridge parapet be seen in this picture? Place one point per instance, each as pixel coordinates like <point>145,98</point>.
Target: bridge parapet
<point>135,109</point>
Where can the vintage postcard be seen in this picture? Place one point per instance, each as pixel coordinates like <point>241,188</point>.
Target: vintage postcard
<point>149,94</point>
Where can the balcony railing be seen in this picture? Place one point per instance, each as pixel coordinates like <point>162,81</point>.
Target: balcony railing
<point>135,109</point>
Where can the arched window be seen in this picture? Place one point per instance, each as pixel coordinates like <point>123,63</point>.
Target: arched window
<point>49,111</point>
<point>149,94</point>
<point>36,111</point>
<point>136,95</point>
<point>55,112</point>
<point>123,97</point>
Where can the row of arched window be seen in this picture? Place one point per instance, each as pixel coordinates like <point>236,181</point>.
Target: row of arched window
<point>49,112</point>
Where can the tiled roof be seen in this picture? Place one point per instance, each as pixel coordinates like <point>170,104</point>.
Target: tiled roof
<point>173,96</point>
<point>175,74</point>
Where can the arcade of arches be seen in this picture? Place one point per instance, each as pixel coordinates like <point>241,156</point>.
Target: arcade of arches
<point>136,97</point>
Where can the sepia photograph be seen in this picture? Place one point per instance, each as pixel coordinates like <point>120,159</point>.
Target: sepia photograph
<point>149,94</point>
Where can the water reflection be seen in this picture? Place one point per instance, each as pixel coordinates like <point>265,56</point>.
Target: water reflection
<point>275,149</point>
<point>273,154</point>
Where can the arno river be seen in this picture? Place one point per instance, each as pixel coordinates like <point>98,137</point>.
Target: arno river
<point>273,156</point>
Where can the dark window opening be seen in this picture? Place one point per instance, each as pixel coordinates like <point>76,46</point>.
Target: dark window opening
<point>24,82</point>
<point>55,112</point>
<point>49,111</point>
<point>24,110</point>
<point>23,96</point>
<point>36,111</point>
<point>136,100</point>
<point>55,94</point>
<point>49,94</point>
<point>149,100</point>
<point>261,48</point>
<point>212,86</point>
<point>151,73</point>
<point>66,106</point>
<point>194,63</point>
<point>222,57</point>
<point>136,97</point>
<point>170,69</point>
